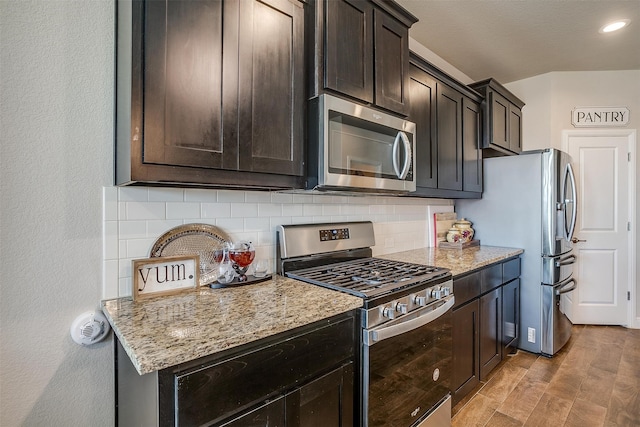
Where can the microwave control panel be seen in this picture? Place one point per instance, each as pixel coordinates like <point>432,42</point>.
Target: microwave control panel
<point>334,234</point>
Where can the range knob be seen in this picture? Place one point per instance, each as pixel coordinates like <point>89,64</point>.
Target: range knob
<point>420,300</point>
<point>436,293</point>
<point>401,308</point>
<point>446,291</point>
<point>389,313</point>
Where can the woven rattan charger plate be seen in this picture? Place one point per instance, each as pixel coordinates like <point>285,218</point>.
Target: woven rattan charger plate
<point>193,239</point>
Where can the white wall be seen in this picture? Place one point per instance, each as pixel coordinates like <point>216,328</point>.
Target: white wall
<point>551,97</point>
<point>56,112</point>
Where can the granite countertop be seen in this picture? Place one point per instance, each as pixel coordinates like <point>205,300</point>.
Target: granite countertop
<point>165,331</point>
<point>459,261</point>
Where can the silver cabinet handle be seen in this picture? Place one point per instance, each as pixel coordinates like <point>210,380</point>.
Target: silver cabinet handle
<point>576,240</point>
<point>401,136</point>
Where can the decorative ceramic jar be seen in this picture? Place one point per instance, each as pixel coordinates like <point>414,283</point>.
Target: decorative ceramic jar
<point>465,229</point>
<point>454,235</point>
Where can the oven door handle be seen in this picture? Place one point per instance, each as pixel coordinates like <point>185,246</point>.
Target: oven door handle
<point>372,336</point>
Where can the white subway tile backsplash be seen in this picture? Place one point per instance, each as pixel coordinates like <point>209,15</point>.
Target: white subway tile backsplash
<point>158,228</point>
<point>144,210</point>
<point>110,240</point>
<point>302,198</point>
<point>133,194</point>
<point>270,209</point>
<point>309,210</point>
<point>230,196</point>
<point>329,210</point>
<point>257,197</point>
<point>243,210</point>
<point>283,198</point>
<point>132,229</point>
<point>134,218</point>
<point>200,195</point>
<point>139,248</point>
<point>182,210</point>
<point>231,225</point>
<point>166,195</point>
<point>215,210</point>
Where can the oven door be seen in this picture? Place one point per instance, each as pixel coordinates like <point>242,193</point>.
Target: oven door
<point>407,366</point>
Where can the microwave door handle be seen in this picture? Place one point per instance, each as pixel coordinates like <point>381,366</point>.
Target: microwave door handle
<point>408,155</point>
<point>394,155</point>
<point>401,136</point>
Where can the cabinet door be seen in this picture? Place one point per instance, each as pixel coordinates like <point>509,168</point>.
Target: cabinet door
<point>183,85</point>
<point>391,51</point>
<point>515,129</point>
<point>348,58</point>
<point>422,88</point>
<point>271,414</point>
<point>326,401</point>
<point>471,151</point>
<point>449,130</point>
<point>500,118</point>
<point>271,87</point>
<point>510,314</point>
<point>490,331</point>
<point>466,366</point>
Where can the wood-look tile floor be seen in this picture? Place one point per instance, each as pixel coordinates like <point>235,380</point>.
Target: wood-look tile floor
<point>593,381</point>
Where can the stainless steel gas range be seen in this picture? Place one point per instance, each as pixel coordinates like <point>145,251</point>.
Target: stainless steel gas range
<point>405,339</point>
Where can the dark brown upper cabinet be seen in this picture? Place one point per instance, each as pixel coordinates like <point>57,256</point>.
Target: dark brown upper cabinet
<point>448,119</point>
<point>211,93</point>
<point>361,50</point>
<point>503,119</point>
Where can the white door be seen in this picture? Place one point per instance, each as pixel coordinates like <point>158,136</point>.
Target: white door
<point>600,159</point>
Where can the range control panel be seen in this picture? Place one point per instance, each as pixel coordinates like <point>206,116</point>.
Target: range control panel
<point>334,234</point>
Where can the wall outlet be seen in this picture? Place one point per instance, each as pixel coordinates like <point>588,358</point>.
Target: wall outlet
<point>531,335</point>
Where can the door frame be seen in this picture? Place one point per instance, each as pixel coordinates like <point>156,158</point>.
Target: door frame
<point>633,320</point>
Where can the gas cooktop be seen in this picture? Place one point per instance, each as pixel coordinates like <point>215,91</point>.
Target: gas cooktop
<point>368,277</point>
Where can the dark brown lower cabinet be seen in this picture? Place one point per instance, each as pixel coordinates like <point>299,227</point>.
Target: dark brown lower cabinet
<point>466,367</point>
<point>303,377</point>
<point>485,323</point>
<point>314,404</point>
<point>510,315</point>
<point>490,331</point>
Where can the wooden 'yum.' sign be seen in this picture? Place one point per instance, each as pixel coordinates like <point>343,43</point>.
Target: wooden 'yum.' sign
<point>164,275</point>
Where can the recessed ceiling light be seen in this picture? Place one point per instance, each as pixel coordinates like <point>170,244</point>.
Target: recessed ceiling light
<point>614,26</point>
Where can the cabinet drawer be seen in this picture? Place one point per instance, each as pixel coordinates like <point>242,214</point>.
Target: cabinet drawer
<point>510,270</point>
<point>221,388</point>
<point>491,277</point>
<point>466,288</point>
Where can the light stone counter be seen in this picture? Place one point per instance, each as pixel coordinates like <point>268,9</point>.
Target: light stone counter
<point>459,261</point>
<point>164,331</point>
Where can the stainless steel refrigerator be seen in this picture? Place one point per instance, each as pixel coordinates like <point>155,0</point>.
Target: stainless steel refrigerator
<point>529,202</point>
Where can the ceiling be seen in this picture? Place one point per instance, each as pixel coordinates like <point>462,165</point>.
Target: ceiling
<point>511,40</point>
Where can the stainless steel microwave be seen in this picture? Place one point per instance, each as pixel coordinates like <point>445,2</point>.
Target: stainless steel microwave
<point>353,147</point>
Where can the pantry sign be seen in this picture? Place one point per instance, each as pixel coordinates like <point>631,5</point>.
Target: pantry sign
<point>599,116</point>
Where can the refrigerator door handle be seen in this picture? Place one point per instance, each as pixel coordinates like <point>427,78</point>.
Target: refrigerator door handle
<point>568,260</point>
<point>562,289</point>
<point>573,202</point>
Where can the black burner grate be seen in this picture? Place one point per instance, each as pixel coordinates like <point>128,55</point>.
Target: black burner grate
<point>369,276</point>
